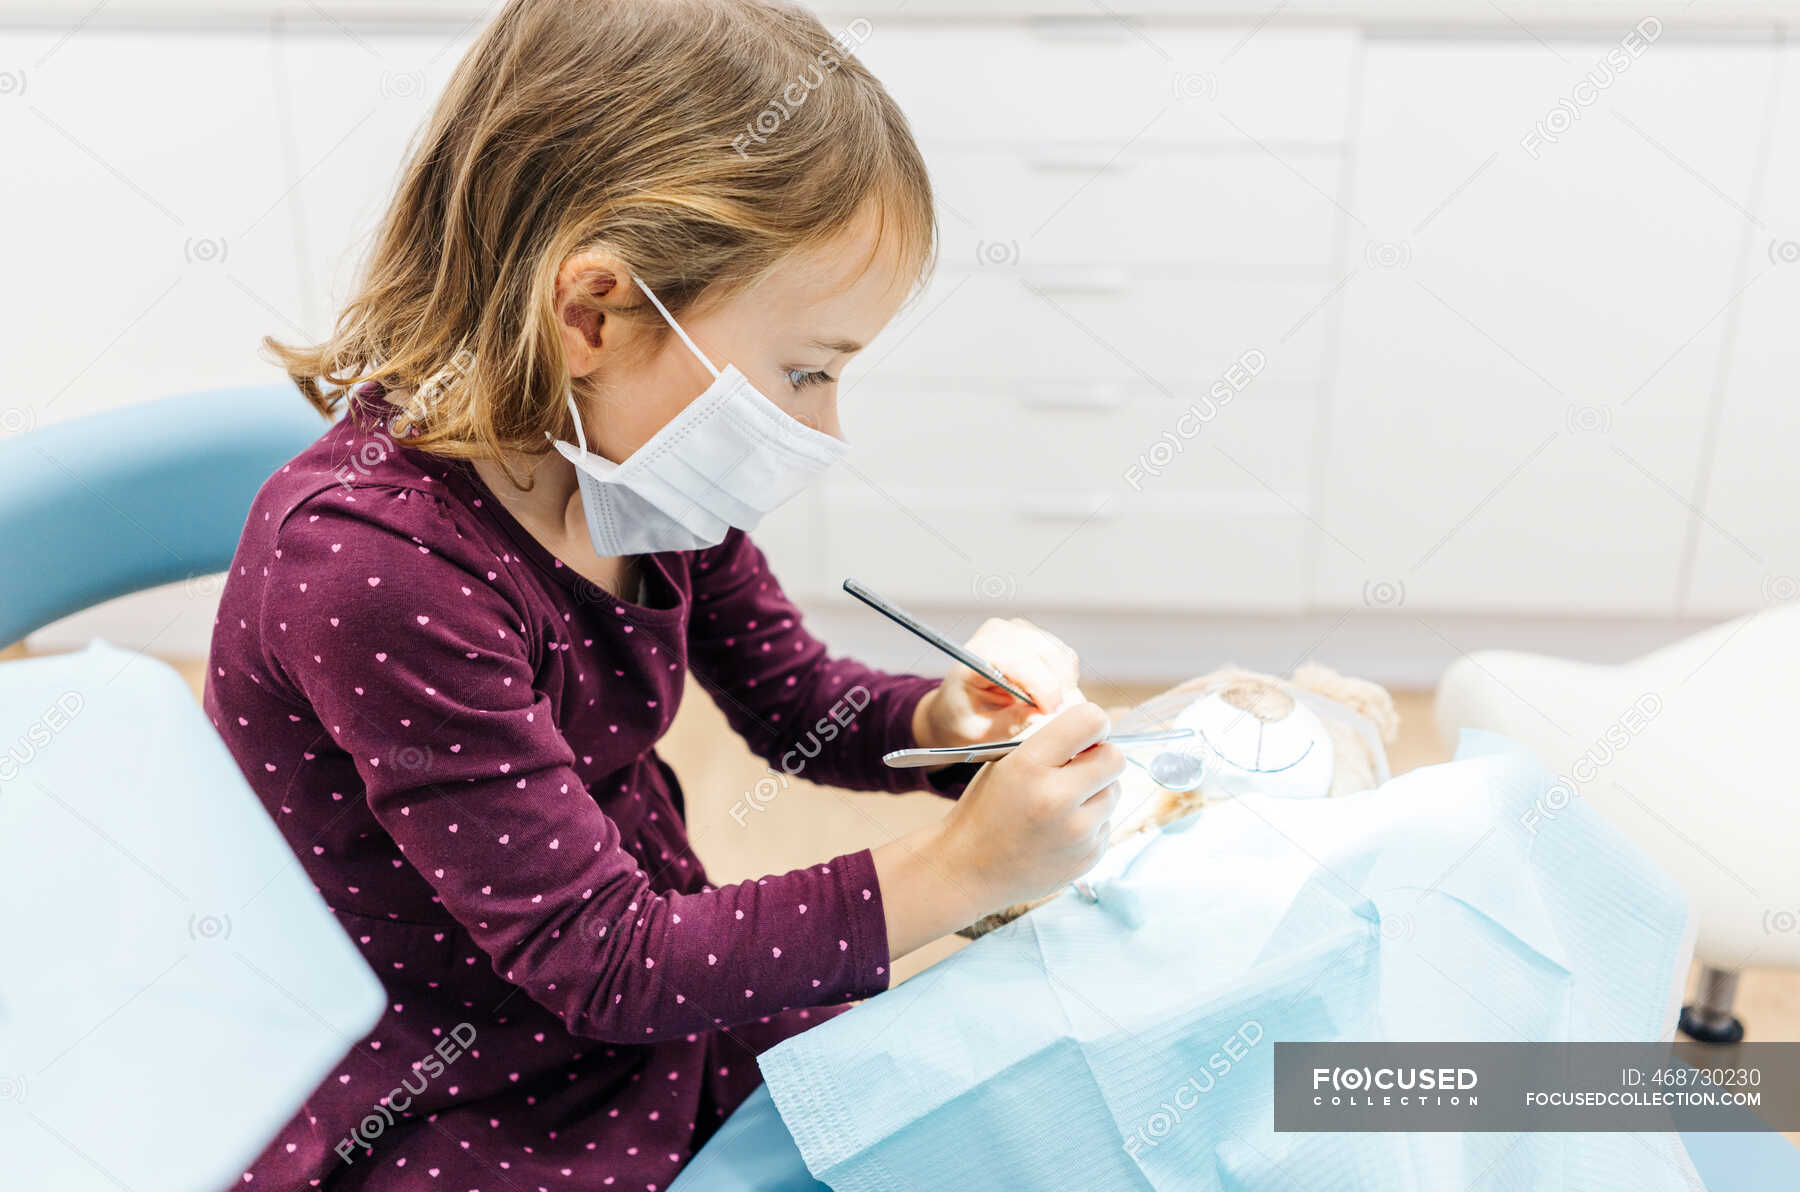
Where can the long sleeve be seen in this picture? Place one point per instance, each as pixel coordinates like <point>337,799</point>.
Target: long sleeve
<point>806,713</point>
<point>420,664</point>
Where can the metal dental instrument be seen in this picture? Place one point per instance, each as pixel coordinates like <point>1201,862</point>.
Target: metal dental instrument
<point>904,759</point>
<point>979,665</point>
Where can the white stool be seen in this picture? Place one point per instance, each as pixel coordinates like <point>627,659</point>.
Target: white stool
<point>1691,751</point>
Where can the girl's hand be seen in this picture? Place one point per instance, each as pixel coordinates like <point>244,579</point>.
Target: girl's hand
<point>966,709</point>
<point>1041,815</point>
<point>1029,822</point>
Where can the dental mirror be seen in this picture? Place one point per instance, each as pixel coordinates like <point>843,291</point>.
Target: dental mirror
<point>1174,771</point>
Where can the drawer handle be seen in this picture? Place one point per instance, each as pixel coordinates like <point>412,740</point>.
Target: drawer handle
<point>1077,162</point>
<point>1070,513</point>
<point>1082,29</point>
<point>1083,281</point>
<point>1067,397</point>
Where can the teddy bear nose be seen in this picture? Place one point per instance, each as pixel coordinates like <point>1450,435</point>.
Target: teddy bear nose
<point>1265,701</point>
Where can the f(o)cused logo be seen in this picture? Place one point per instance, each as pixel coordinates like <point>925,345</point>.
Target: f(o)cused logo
<point>402,84</point>
<point>997,252</point>
<point>411,758</point>
<point>1589,420</point>
<point>205,250</point>
<point>209,927</point>
<point>1189,84</point>
<point>994,586</point>
<point>1384,593</point>
<point>1387,254</point>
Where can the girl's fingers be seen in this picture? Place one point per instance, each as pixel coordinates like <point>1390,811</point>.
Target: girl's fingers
<point>1031,673</point>
<point>1058,647</point>
<point>1043,667</point>
<point>1094,771</point>
<point>1105,800</point>
<point>1042,684</point>
<point>1094,819</point>
<point>970,726</point>
<point>1053,650</point>
<point>1071,733</point>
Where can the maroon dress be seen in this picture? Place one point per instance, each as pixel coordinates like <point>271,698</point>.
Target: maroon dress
<point>456,735</point>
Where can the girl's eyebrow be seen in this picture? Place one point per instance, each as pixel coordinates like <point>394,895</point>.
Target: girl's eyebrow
<point>845,346</point>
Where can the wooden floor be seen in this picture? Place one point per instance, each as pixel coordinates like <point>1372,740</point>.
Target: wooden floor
<point>743,826</point>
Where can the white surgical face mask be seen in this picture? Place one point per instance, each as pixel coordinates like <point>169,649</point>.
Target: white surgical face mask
<point>728,459</point>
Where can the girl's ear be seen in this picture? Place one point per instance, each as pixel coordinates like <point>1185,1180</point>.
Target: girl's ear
<point>589,286</point>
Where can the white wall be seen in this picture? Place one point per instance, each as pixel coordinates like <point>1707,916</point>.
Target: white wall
<point>1454,389</point>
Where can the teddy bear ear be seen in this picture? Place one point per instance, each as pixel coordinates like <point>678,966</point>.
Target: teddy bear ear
<point>1370,699</point>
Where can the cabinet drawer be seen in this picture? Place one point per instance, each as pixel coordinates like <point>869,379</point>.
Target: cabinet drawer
<point>1159,210</point>
<point>1076,550</point>
<point>1099,437</point>
<point>1521,405</point>
<point>1097,80</point>
<point>1079,323</point>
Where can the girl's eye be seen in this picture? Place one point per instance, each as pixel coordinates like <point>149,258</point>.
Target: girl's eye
<point>801,379</point>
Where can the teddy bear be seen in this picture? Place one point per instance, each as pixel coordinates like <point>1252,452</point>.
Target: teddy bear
<point>1314,735</point>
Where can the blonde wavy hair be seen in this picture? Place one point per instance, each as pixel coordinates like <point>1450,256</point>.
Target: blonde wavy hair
<point>700,141</point>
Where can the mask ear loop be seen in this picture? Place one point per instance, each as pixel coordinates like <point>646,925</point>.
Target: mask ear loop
<point>574,413</point>
<point>664,311</point>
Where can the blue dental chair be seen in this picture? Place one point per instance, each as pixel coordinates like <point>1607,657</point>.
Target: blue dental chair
<point>147,494</point>
<point>192,973</point>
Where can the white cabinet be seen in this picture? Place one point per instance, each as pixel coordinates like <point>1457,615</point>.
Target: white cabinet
<point>149,241</point>
<point>1114,82</point>
<point>1109,439</point>
<point>1076,550</point>
<point>1101,497</point>
<point>1747,541</point>
<point>1003,327</point>
<point>1532,334</point>
<point>1106,397</point>
<point>1181,211</point>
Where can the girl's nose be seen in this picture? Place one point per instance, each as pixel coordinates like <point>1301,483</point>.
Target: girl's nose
<point>826,419</point>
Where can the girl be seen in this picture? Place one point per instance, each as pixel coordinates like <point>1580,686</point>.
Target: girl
<point>446,652</point>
